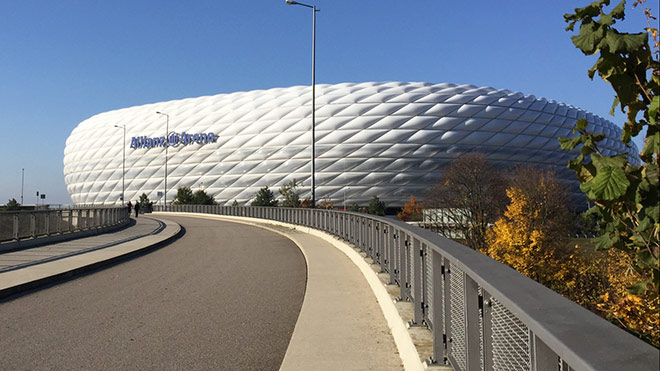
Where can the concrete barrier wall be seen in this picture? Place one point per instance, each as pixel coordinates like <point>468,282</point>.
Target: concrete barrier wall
<point>19,229</point>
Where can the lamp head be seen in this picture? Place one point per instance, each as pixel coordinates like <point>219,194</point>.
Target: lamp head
<point>291,2</point>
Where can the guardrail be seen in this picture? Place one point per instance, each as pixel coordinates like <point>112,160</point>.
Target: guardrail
<point>483,315</point>
<point>19,227</point>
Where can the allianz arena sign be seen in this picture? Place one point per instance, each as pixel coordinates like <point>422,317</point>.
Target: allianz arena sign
<point>173,139</point>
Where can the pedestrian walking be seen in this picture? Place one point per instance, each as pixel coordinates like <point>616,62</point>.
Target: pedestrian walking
<point>130,208</point>
<point>137,209</point>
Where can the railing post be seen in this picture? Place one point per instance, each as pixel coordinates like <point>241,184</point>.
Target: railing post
<point>382,247</point>
<point>47,223</point>
<point>16,226</point>
<point>59,221</point>
<point>487,331</point>
<point>378,254</point>
<point>358,232</point>
<point>351,229</point>
<point>391,241</point>
<point>365,235</point>
<point>33,225</point>
<point>370,239</point>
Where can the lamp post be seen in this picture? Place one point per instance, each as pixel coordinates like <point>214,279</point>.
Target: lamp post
<point>22,183</point>
<point>123,166</point>
<point>167,131</point>
<point>314,10</point>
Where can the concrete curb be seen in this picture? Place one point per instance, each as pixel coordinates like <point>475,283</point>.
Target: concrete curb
<point>28,278</point>
<point>404,343</point>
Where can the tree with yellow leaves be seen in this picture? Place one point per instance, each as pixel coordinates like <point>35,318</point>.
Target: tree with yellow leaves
<point>412,211</point>
<point>534,225</point>
<point>532,237</point>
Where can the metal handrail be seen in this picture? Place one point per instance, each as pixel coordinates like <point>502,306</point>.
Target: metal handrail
<point>483,315</point>
<point>23,225</point>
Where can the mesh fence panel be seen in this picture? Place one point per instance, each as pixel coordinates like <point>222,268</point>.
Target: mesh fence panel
<point>66,214</point>
<point>6,227</point>
<point>24,225</point>
<point>54,219</point>
<point>428,287</point>
<point>458,349</point>
<point>510,340</point>
<point>40,223</point>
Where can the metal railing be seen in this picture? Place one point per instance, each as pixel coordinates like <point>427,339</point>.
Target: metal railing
<point>18,226</point>
<point>482,314</point>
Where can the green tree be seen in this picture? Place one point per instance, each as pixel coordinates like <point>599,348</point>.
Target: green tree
<point>376,206</point>
<point>235,204</point>
<point>265,197</point>
<point>12,205</point>
<point>291,194</point>
<point>354,207</point>
<point>200,197</point>
<point>144,202</point>
<point>184,196</point>
<point>624,193</point>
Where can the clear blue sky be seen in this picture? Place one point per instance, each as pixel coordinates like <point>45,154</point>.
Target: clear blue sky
<point>64,61</point>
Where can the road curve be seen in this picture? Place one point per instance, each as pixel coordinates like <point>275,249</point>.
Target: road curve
<point>225,296</point>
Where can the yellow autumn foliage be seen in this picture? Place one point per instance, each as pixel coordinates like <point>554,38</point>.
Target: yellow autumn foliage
<point>538,247</point>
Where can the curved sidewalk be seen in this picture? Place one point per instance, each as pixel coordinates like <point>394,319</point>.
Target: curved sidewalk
<point>341,325</point>
<point>30,268</point>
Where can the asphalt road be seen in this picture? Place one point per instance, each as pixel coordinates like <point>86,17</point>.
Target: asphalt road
<point>225,296</point>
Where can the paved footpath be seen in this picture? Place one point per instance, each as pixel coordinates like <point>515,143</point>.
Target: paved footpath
<point>224,296</point>
<point>341,325</point>
<point>17,259</point>
<point>190,306</point>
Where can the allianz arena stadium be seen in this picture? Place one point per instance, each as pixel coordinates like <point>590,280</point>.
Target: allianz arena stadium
<point>390,140</point>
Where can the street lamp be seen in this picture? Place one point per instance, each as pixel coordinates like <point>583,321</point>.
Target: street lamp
<point>167,130</point>
<point>123,166</point>
<point>314,10</point>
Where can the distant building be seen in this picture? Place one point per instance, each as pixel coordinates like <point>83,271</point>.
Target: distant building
<point>390,140</point>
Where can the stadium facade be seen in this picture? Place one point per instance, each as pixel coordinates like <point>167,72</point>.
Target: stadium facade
<point>390,140</point>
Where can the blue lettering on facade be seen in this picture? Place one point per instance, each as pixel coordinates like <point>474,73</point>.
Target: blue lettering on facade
<point>173,139</point>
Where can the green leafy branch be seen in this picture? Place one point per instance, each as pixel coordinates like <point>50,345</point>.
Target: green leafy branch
<point>625,193</point>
